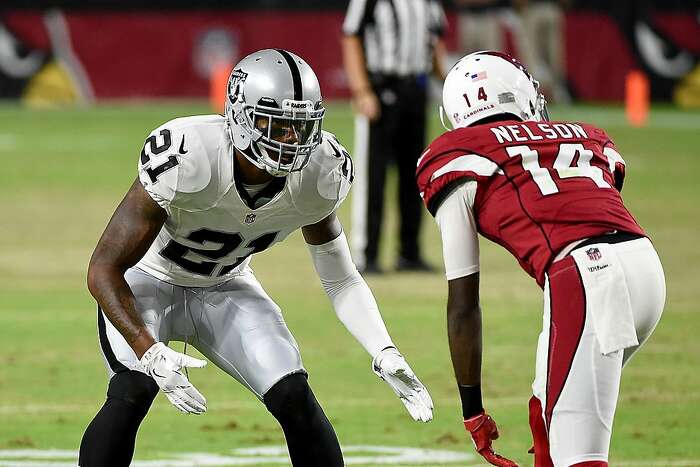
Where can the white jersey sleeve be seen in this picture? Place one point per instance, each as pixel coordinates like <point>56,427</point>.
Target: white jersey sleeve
<point>460,243</point>
<point>175,166</point>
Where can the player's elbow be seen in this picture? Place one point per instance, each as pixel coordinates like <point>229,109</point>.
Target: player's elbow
<point>94,277</point>
<point>98,274</point>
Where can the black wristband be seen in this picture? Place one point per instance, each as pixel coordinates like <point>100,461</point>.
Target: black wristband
<point>471,400</point>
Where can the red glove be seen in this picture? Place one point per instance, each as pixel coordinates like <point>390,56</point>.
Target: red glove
<point>483,430</point>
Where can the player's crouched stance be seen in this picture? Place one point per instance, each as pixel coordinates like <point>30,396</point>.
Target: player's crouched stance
<point>549,192</point>
<point>173,264</point>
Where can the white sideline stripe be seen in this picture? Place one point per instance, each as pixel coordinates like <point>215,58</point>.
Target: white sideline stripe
<point>615,117</point>
<point>367,455</point>
<point>360,188</point>
<point>384,455</point>
<point>468,162</point>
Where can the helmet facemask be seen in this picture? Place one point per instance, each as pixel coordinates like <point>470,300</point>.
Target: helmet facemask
<point>541,110</point>
<point>283,139</point>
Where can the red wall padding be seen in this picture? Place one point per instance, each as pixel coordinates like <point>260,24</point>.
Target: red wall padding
<point>150,53</point>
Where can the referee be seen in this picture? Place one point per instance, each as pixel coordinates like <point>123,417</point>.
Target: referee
<point>389,48</point>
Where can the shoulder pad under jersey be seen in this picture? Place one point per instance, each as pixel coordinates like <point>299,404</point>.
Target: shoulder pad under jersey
<point>180,162</point>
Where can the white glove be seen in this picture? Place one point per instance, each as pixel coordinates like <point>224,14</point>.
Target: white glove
<point>390,366</point>
<point>163,364</point>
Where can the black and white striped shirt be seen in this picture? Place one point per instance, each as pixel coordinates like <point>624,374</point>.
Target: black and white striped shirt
<point>398,35</point>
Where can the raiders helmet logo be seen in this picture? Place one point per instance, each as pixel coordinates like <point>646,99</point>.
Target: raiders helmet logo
<point>235,81</point>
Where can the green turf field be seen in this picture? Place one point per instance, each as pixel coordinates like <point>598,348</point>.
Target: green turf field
<point>62,173</point>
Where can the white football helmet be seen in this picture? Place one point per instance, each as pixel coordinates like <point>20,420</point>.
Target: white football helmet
<point>487,83</point>
<point>273,110</point>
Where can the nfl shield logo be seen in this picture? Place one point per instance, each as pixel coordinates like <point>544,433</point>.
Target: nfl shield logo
<point>594,254</point>
<point>250,218</point>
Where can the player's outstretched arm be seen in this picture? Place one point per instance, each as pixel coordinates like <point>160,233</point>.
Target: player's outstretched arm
<point>464,336</point>
<point>460,251</point>
<point>357,309</point>
<point>129,234</point>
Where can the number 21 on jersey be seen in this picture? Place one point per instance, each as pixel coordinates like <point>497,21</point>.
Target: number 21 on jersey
<point>562,165</point>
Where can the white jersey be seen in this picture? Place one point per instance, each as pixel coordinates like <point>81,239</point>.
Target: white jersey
<point>187,166</point>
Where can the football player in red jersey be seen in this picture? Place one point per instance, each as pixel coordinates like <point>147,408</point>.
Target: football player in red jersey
<point>548,192</point>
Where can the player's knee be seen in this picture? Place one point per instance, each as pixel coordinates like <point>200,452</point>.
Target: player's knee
<point>134,387</point>
<point>291,399</point>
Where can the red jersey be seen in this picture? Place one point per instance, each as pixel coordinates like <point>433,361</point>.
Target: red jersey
<point>540,185</point>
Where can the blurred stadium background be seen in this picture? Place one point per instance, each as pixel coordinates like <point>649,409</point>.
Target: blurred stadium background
<point>82,83</point>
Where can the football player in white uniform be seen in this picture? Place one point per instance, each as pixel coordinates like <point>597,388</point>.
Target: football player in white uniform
<point>172,264</point>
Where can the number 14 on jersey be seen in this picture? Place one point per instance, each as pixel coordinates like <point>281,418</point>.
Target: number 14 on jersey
<point>562,165</point>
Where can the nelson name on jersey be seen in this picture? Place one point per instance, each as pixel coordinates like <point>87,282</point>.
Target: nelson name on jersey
<point>523,133</point>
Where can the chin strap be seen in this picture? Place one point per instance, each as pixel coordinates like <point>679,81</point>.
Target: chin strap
<point>442,119</point>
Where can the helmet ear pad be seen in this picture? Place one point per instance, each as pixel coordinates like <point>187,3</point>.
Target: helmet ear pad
<point>239,136</point>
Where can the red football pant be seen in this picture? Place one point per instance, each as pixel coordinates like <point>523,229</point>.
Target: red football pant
<point>539,434</point>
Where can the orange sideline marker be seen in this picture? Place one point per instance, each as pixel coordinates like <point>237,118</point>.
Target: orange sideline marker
<point>217,86</point>
<point>637,98</point>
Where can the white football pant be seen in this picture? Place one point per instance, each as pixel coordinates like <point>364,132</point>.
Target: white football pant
<point>236,325</point>
<point>601,303</point>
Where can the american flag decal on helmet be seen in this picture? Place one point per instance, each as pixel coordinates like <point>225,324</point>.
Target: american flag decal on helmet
<point>478,76</point>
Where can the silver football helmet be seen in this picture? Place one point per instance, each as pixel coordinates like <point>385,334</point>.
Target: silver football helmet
<point>274,111</point>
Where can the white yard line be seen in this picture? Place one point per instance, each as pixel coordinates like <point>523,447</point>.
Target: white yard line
<point>609,117</point>
<point>354,455</point>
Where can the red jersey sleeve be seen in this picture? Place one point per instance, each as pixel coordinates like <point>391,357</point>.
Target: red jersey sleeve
<point>441,168</point>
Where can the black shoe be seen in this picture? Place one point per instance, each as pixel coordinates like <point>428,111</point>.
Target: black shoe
<point>371,269</point>
<point>415,265</point>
